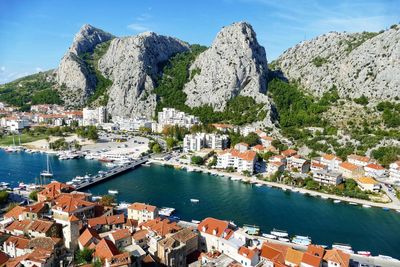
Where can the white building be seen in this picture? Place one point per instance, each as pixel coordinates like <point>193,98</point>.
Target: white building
<point>142,212</point>
<point>14,124</point>
<point>241,161</point>
<point>298,163</point>
<point>331,161</point>
<point>171,116</point>
<point>94,116</point>
<point>327,177</point>
<point>195,142</point>
<point>132,124</point>
<point>358,160</point>
<point>368,184</point>
<point>375,170</point>
<point>394,171</point>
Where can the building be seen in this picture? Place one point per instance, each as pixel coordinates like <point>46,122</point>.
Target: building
<point>240,161</point>
<point>273,254</point>
<point>132,124</point>
<point>94,116</point>
<point>336,258</point>
<point>53,190</point>
<point>350,170</point>
<point>15,246</point>
<point>358,160</point>
<point>242,147</point>
<point>375,170</point>
<point>266,140</point>
<point>195,142</point>
<point>35,211</point>
<point>121,238</point>
<point>331,161</point>
<point>394,171</point>
<point>293,257</point>
<point>211,232</point>
<point>297,163</point>
<point>171,116</point>
<point>289,153</point>
<point>274,167</point>
<point>43,228</point>
<point>88,238</point>
<point>247,257</point>
<point>327,177</point>
<point>171,252</point>
<point>142,212</point>
<point>368,184</point>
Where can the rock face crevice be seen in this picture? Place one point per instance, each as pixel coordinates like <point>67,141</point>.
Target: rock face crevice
<point>235,64</point>
<point>355,63</point>
<point>132,63</point>
<point>73,75</point>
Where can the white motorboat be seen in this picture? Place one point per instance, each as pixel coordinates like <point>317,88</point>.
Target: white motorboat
<point>113,192</point>
<point>279,233</point>
<point>337,201</point>
<point>366,206</point>
<point>235,178</point>
<point>166,211</point>
<point>69,183</point>
<point>4,184</point>
<point>196,221</point>
<point>324,197</point>
<point>258,185</point>
<point>364,253</point>
<point>269,236</point>
<point>353,203</point>
<point>194,200</point>
<point>283,239</point>
<point>96,198</point>
<point>301,240</point>
<point>123,206</point>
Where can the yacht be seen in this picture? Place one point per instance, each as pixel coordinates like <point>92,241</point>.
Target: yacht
<point>258,185</point>
<point>364,253</point>
<point>194,200</point>
<point>46,173</point>
<point>366,206</point>
<point>96,198</point>
<point>166,211</point>
<point>123,206</point>
<point>113,192</point>
<point>196,221</point>
<point>269,236</point>
<point>337,201</point>
<point>279,233</point>
<point>301,240</point>
<point>69,183</point>
<point>283,239</point>
<point>353,203</point>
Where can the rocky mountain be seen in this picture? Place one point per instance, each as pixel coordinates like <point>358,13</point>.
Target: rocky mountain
<point>235,64</point>
<point>73,74</point>
<point>355,63</point>
<point>133,65</point>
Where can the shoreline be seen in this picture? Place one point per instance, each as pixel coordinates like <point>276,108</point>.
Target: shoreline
<point>312,193</point>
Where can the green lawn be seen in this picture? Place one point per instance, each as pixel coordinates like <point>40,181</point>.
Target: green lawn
<point>25,138</point>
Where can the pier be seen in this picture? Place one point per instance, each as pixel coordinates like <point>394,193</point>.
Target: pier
<point>111,173</point>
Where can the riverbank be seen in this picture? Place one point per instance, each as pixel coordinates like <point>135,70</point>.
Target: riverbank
<point>239,177</point>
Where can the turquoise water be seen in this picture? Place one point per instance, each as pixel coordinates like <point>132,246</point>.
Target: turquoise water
<point>371,229</point>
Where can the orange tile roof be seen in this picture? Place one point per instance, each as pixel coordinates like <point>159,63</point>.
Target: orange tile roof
<point>289,152</point>
<point>87,235</point>
<point>36,208</point>
<point>337,256</point>
<point>331,157</point>
<point>258,147</point>
<point>19,225</point>
<point>374,166</point>
<point>139,235</point>
<point>359,158</point>
<point>41,226</point>
<point>348,166</point>
<point>316,250</point>
<point>274,252</point>
<point>70,204</point>
<point>19,241</point>
<point>318,165</point>
<point>294,256</point>
<point>121,234</point>
<point>367,180</point>
<point>215,227</point>
<point>107,220</point>
<point>123,259</point>
<point>311,260</point>
<point>54,189</point>
<point>142,206</point>
<point>161,226</point>
<point>246,252</point>
<point>105,249</point>
<point>268,138</point>
<point>14,212</point>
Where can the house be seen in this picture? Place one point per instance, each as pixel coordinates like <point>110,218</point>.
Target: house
<point>189,237</point>
<point>293,257</point>
<point>375,170</point>
<point>88,237</point>
<point>15,246</point>
<point>121,238</point>
<point>331,161</point>
<point>242,147</point>
<point>222,127</point>
<point>297,163</point>
<point>67,205</point>
<point>53,190</point>
<point>107,223</point>
<point>120,260</point>
<point>289,153</point>
<point>327,177</point>
<point>358,160</point>
<point>3,258</point>
<point>274,167</point>
<point>18,227</point>
<point>313,256</point>
<point>140,237</point>
<point>350,170</point>
<point>16,213</point>
<point>43,228</point>
<point>105,249</point>
<point>368,184</point>
<point>211,231</point>
<point>273,254</point>
<point>336,258</point>
<point>216,258</point>
<point>35,211</point>
<point>142,212</point>
<point>262,149</point>
<point>247,256</point>
<point>317,166</point>
<point>266,140</point>
<point>171,252</point>
<point>233,158</point>
<point>39,257</point>
<point>131,224</point>
<point>394,171</point>
<point>161,227</point>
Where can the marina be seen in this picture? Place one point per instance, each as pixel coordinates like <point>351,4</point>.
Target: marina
<point>224,199</point>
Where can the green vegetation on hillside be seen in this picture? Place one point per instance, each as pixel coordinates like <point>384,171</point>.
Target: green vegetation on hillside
<point>356,40</point>
<point>319,61</point>
<point>238,111</point>
<point>390,113</point>
<point>32,89</point>
<point>102,83</point>
<point>386,155</point>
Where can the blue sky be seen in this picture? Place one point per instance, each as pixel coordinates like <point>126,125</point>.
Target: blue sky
<point>34,34</point>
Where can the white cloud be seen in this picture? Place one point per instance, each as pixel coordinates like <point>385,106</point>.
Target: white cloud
<point>138,27</point>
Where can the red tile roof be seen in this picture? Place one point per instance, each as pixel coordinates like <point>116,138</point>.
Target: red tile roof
<point>161,226</point>
<point>142,206</point>
<point>348,166</point>
<point>289,152</point>
<point>311,260</point>
<point>274,252</point>
<point>41,226</point>
<point>14,213</point>
<point>215,227</point>
<point>375,166</point>
<point>121,234</point>
<point>19,241</point>
<point>70,204</point>
<point>88,235</point>
<point>246,252</point>
<point>19,225</point>
<point>105,249</point>
<point>337,256</point>
<point>53,190</point>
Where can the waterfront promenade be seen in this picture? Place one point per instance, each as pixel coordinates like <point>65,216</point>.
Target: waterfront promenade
<point>392,205</point>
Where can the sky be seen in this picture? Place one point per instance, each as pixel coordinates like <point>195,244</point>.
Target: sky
<point>34,34</point>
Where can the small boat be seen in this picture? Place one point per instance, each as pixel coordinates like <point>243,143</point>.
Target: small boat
<point>195,221</point>
<point>344,247</point>
<point>235,178</point>
<point>123,206</point>
<point>279,233</point>
<point>104,159</point>
<point>95,198</point>
<point>283,239</point>
<point>398,211</point>
<point>269,236</point>
<point>113,192</point>
<point>366,206</point>
<point>194,200</point>
<point>47,173</point>
<point>324,197</point>
<point>69,183</point>
<point>364,253</point>
<point>386,209</point>
<point>353,203</point>
<point>4,184</point>
<point>301,240</point>
<point>251,229</point>
<point>258,185</point>
<point>337,201</point>
<point>166,211</point>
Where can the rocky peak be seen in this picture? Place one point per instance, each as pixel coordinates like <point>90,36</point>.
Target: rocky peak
<point>234,65</point>
<point>87,38</point>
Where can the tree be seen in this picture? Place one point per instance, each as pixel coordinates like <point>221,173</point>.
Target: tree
<point>3,196</point>
<point>107,200</point>
<point>156,148</point>
<point>84,256</point>
<point>144,130</point>
<point>33,195</point>
<point>362,100</point>
<point>197,160</point>
<point>171,142</point>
